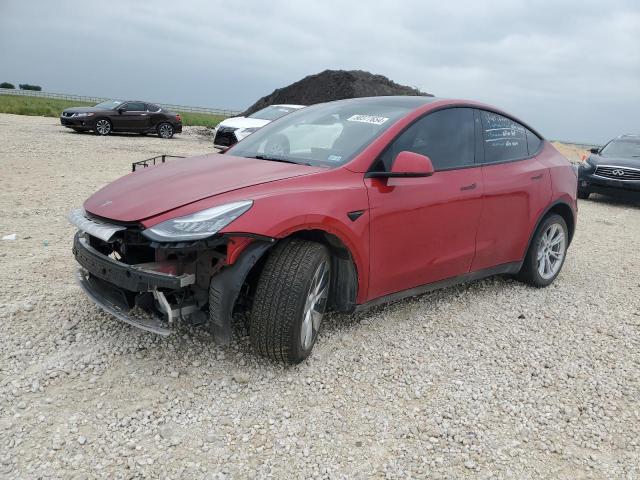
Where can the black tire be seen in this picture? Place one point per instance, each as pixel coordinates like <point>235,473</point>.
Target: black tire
<point>284,287</point>
<point>277,145</point>
<point>165,130</point>
<point>530,273</point>
<point>583,195</point>
<point>103,127</point>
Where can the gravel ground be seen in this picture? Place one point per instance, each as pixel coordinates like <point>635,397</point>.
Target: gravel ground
<point>488,380</point>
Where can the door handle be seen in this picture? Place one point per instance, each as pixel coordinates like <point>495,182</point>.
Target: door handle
<point>468,187</point>
<point>537,177</point>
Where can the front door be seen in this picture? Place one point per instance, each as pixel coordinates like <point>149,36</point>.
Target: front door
<point>423,229</point>
<point>134,117</point>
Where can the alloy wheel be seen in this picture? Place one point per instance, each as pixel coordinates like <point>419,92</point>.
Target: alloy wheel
<point>551,251</point>
<point>315,305</point>
<point>166,130</point>
<point>103,127</point>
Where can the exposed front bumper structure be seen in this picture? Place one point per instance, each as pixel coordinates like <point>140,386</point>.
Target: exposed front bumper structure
<point>154,286</point>
<point>113,301</point>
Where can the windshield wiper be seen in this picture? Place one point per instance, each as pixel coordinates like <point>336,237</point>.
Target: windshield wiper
<point>276,159</point>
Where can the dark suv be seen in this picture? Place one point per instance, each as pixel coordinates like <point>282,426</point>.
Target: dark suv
<point>613,169</point>
<point>122,116</point>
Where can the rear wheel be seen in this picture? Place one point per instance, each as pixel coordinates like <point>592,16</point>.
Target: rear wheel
<point>165,130</point>
<point>103,126</point>
<point>290,301</point>
<point>546,253</point>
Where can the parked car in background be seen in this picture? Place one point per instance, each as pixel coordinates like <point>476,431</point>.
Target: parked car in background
<point>613,169</point>
<point>389,197</point>
<point>122,116</point>
<point>232,130</point>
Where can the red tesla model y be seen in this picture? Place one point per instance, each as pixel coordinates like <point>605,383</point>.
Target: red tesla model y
<point>338,206</point>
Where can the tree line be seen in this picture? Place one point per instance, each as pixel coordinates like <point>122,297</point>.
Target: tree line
<point>22,86</point>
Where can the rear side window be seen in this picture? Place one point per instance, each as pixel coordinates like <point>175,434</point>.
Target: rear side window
<point>504,139</point>
<point>135,107</point>
<point>447,137</point>
<point>152,108</point>
<point>533,142</point>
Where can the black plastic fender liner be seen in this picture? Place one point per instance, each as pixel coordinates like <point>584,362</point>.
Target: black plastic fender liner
<point>225,287</point>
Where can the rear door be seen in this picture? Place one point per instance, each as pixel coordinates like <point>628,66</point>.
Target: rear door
<point>134,117</point>
<point>424,229</point>
<point>517,189</point>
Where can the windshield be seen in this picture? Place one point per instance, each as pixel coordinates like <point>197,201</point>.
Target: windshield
<point>328,134</point>
<point>622,148</point>
<point>108,104</point>
<point>271,113</point>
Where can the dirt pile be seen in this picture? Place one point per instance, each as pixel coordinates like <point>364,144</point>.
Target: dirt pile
<point>334,85</point>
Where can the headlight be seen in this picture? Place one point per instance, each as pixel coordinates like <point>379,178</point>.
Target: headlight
<point>198,225</point>
<point>83,114</point>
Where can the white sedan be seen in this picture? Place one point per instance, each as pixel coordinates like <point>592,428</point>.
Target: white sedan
<point>232,130</point>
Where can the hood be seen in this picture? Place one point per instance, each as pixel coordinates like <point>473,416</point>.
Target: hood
<point>630,162</point>
<point>155,190</point>
<point>243,122</point>
<point>83,109</point>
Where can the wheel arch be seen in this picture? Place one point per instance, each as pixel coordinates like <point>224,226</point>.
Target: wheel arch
<point>344,281</point>
<point>562,208</point>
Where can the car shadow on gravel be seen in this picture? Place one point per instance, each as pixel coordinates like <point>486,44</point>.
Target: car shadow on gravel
<point>629,200</point>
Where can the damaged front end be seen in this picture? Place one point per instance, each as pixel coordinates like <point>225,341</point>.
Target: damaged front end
<point>155,285</point>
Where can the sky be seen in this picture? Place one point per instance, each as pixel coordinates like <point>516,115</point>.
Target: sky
<point>571,69</point>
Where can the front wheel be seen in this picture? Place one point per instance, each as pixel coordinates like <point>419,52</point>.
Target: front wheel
<point>583,194</point>
<point>546,253</point>
<point>165,130</point>
<point>103,126</point>
<point>290,301</point>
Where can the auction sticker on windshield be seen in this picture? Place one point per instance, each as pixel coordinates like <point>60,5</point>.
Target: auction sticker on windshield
<point>367,119</point>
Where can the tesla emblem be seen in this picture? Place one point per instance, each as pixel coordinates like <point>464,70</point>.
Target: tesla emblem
<point>618,173</point>
<point>108,202</point>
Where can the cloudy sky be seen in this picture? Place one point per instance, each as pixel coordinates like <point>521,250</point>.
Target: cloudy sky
<point>569,68</point>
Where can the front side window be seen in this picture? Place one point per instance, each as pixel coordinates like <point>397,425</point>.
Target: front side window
<point>447,137</point>
<point>134,107</point>
<point>504,139</point>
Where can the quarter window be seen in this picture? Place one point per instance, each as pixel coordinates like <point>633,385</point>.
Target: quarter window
<point>504,139</point>
<point>533,142</point>
<point>447,137</point>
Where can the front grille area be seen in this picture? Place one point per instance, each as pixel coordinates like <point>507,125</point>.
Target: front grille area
<point>617,173</point>
<point>225,136</point>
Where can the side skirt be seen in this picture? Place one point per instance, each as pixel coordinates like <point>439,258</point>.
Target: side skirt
<point>505,268</point>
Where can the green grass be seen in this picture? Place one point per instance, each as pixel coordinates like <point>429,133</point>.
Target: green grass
<point>43,107</point>
<point>51,107</point>
<point>200,119</point>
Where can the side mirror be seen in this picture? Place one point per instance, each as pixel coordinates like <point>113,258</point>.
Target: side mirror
<point>594,150</point>
<point>407,165</point>
<point>120,110</point>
